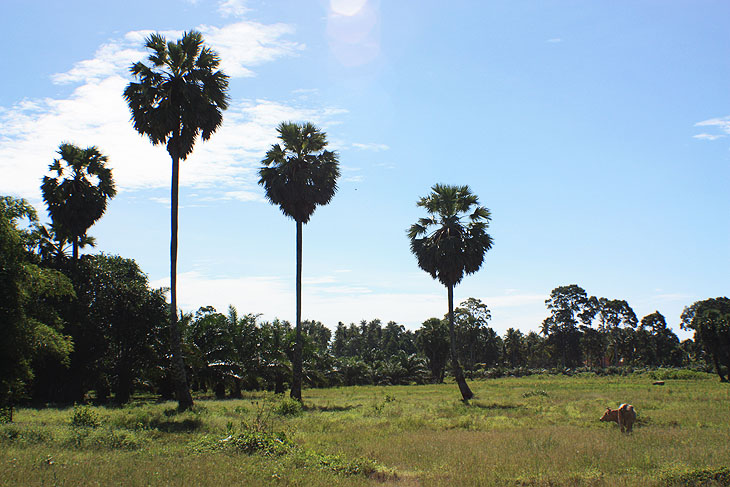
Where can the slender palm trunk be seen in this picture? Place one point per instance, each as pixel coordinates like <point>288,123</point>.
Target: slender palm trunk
<point>184,399</point>
<point>466,393</point>
<point>75,248</point>
<point>296,386</point>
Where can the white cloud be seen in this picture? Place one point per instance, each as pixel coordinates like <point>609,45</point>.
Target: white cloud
<point>95,113</point>
<point>721,123</point>
<point>708,136</point>
<point>555,40</point>
<point>232,8</point>
<point>246,44</point>
<point>371,147</point>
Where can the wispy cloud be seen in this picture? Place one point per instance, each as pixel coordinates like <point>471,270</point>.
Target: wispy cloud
<point>555,40</point>
<point>709,136</point>
<point>232,8</point>
<point>370,147</point>
<point>721,123</point>
<point>95,113</point>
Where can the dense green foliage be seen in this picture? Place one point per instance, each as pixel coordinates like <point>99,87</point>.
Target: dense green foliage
<point>30,325</point>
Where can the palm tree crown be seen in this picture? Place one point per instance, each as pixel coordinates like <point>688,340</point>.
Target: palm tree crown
<point>73,199</point>
<point>302,174</point>
<point>452,240</point>
<point>180,93</point>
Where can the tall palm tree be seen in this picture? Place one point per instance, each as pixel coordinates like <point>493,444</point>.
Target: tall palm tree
<point>298,177</point>
<point>177,95</point>
<point>450,243</point>
<point>77,196</point>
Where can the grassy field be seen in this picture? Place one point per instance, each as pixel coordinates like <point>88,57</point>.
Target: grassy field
<point>530,431</point>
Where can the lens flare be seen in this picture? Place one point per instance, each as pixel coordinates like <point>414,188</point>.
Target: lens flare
<point>347,7</point>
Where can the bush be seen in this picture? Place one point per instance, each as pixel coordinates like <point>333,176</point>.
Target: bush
<point>288,407</point>
<point>85,416</point>
<point>265,443</point>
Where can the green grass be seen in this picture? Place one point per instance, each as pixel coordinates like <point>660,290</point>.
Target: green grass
<point>528,431</point>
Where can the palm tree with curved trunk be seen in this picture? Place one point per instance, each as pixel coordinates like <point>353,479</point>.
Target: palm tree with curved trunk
<point>178,95</point>
<point>77,196</point>
<point>298,176</point>
<point>449,244</point>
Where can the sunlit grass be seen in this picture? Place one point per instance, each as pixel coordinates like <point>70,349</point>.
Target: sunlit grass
<point>536,430</point>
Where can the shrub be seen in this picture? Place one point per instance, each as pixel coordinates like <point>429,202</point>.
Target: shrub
<point>265,443</point>
<point>288,407</point>
<point>85,416</point>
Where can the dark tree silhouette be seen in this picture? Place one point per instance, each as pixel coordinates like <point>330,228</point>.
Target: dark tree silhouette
<point>710,319</point>
<point>178,95</point>
<point>74,202</point>
<point>450,243</point>
<point>299,176</point>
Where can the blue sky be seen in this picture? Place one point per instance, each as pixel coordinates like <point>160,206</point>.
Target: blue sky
<point>598,134</point>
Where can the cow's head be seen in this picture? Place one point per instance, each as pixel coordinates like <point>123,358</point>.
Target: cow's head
<point>609,415</point>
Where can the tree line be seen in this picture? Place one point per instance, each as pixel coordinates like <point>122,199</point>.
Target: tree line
<point>93,325</point>
<point>80,323</point>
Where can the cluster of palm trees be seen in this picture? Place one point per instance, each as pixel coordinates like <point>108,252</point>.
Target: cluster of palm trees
<point>179,93</point>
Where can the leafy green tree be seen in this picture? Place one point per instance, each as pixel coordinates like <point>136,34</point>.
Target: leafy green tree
<point>74,202</point>
<point>710,320</point>
<point>567,305</point>
<point>319,334</point>
<point>535,350</point>
<point>593,343</point>
<point>339,342</point>
<point>298,176</point>
<point>433,341</point>
<point>471,319</point>
<point>514,348</point>
<point>449,244</point>
<point>616,318</point>
<point>30,325</point>
<point>245,344</point>
<point>178,95</point>
<point>275,349</point>
<point>119,308</point>
<point>658,345</point>
<point>371,333</point>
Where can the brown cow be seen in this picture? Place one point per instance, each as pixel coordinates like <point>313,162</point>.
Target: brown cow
<point>625,416</point>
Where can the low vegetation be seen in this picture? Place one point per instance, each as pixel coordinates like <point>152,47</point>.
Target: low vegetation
<point>538,430</point>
